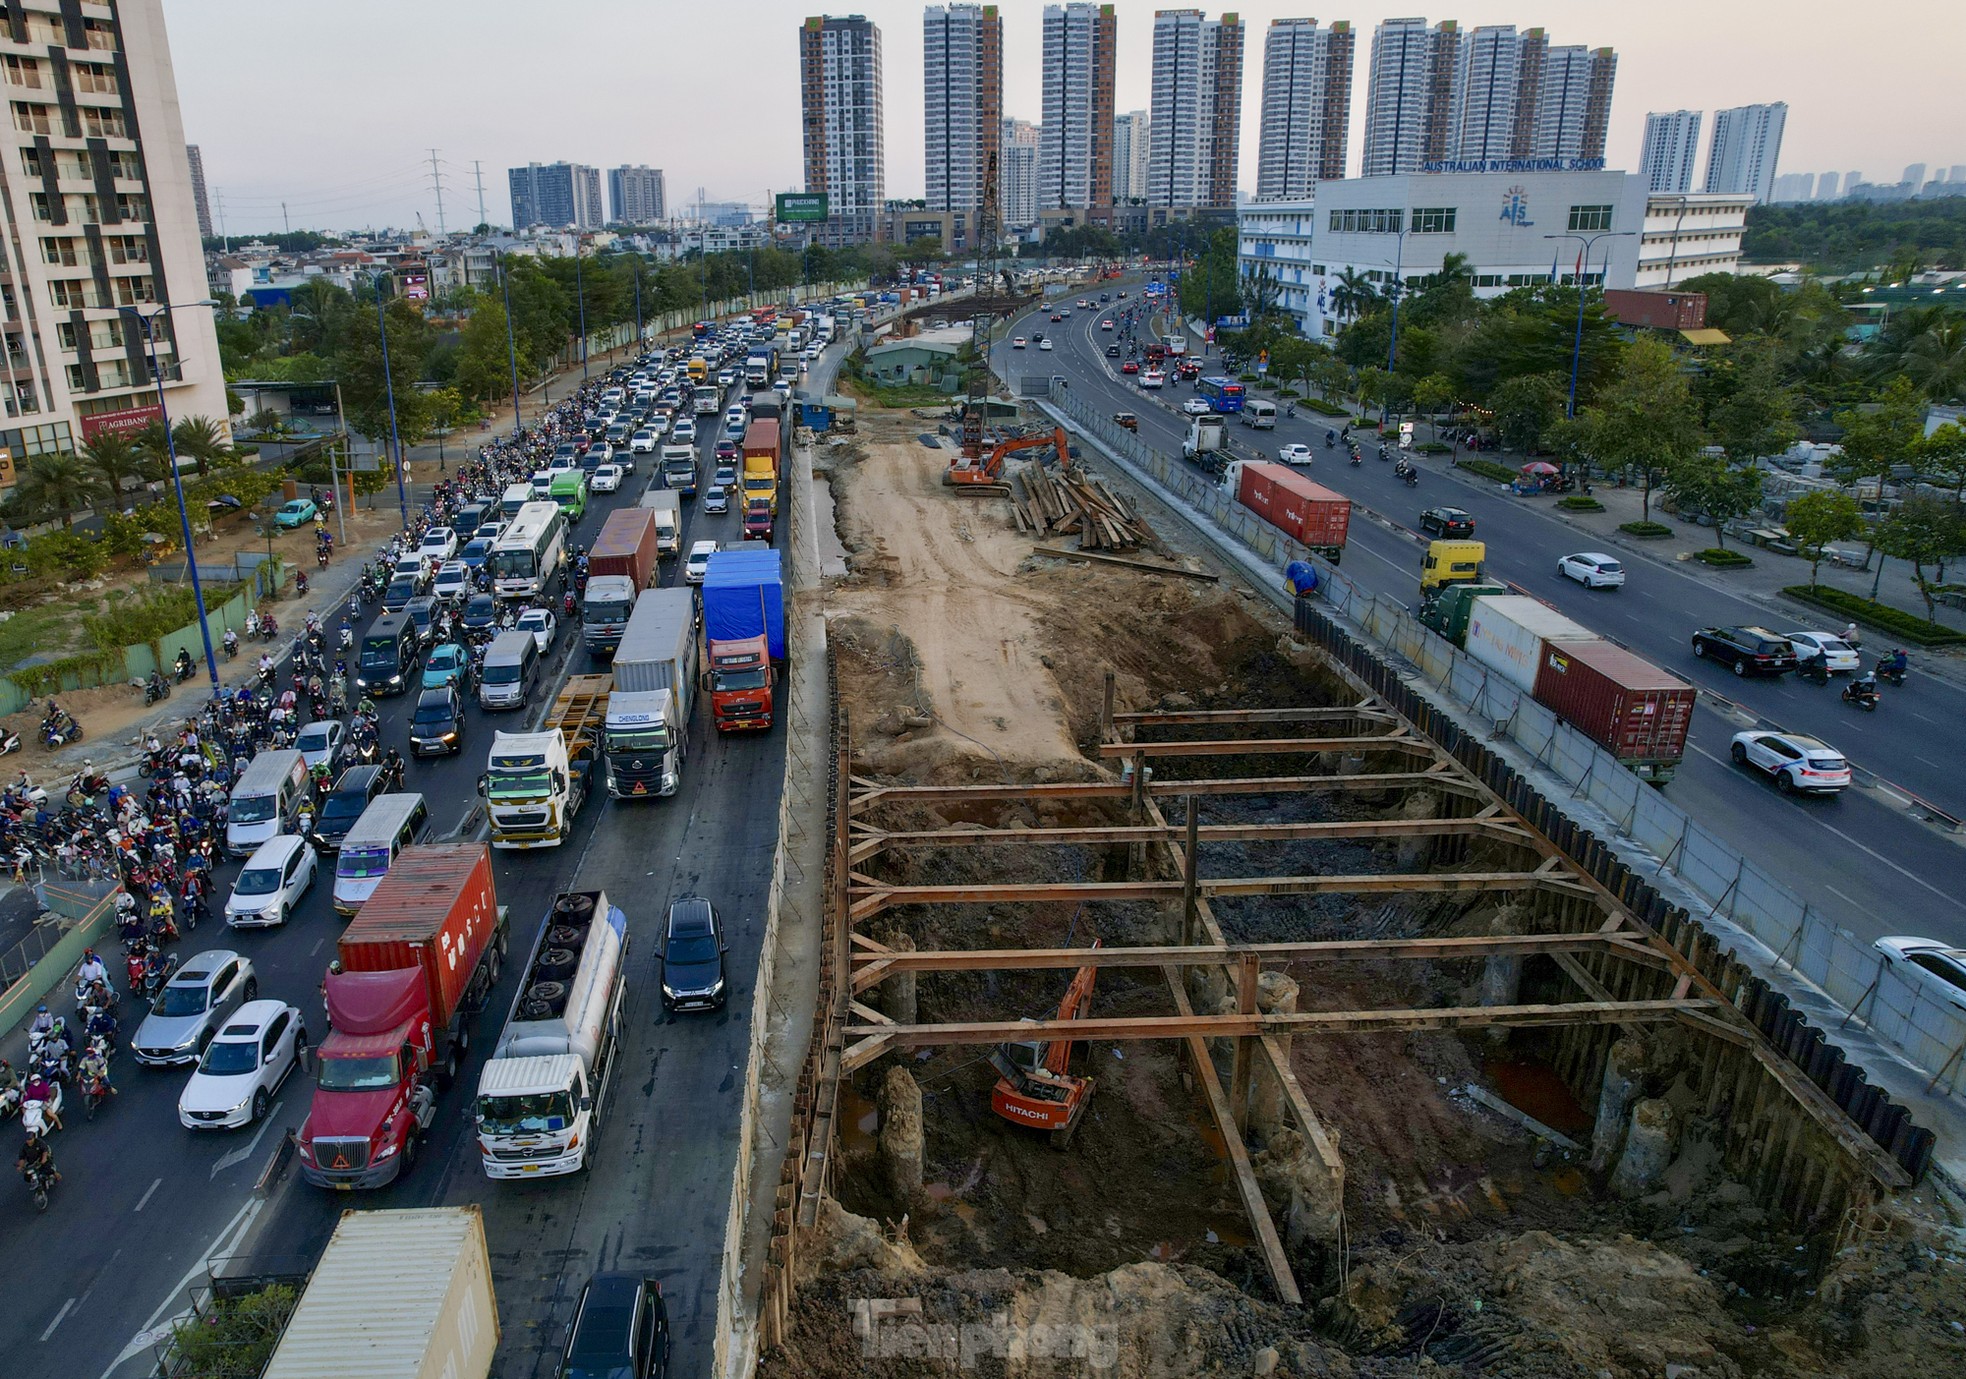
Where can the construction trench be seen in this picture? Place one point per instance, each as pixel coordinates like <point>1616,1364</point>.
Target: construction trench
<point>1383,1081</point>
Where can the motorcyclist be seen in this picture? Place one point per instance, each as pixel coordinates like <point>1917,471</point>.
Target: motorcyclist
<point>35,1157</point>
<point>91,1069</point>
<point>104,1026</point>
<point>1815,666</point>
<point>37,1103</point>
<point>183,664</point>
<point>9,1088</point>
<point>231,640</point>
<point>92,970</point>
<point>392,768</point>
<point>1862,688</point>
<point>1894,664</point>
<point>44,1021</point>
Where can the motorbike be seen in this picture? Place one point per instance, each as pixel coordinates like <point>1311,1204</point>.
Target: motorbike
<point>157,975</point>
<point>1890,674</point>
<point>95,1091</point>
<point>9,743</point>
<point>1412,478</point>
<point>231,645</point>
<point>60,732</point>
<point>1815,670</point>
<point>1864,697</point>
<point>1330,439</point>
<point>182,668</point>
<point>39,1180</point>
<point>300,583</point>
<point>321,556</point>
<point>154,689</point>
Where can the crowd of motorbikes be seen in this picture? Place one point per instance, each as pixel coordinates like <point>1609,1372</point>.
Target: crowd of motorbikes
<point>154,842</point>
<point>1864,691</point>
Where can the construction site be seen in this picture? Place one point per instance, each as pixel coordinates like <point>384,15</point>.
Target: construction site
<point>1198,1001</point>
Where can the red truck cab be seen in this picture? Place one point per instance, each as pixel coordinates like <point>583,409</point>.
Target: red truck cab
<point>757,519</point>
<point>417,964</point>
<point>742,682</point>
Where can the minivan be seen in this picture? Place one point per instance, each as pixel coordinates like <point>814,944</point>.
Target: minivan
<point>512,666</point>
<point>466,521</point>
<point>388,655</point>
<point>266,801</point>
<point>386,827</point>
<point>354,791</point>
<point>516,497</point>
<point>1260,414</point>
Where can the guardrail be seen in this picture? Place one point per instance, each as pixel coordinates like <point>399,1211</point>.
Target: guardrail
<point>1929,1032</point>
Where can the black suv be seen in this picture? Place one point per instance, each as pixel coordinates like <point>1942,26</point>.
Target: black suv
<point>344,805</point>
<point>1745,650</point>
<point>621,1331</point>
<point>692,957</point>
<point>437,726</point>
<point>1447,521</point>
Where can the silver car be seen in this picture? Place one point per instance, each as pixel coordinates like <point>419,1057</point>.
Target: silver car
<point>192,1005</point>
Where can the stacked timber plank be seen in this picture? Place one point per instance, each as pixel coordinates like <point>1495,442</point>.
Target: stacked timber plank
<point>1071,502</point>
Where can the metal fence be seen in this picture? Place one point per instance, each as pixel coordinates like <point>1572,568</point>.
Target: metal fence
<point>1926,1029</point>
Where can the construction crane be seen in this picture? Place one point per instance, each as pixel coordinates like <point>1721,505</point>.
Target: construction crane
<point>984,473</point>
<point>1035,1086</point>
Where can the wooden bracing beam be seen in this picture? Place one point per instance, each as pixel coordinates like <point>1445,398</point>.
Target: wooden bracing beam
<point>1196,716</point>
<point>1269,746</point>
<point>870,842</point>
<point>869,794</point>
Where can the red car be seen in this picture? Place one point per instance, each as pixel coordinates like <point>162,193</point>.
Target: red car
<point>1130,366</point>
<point>726,450</point>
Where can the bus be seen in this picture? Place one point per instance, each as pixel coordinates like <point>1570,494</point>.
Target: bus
<point>1177,344</point>
<point>1221,394</point>
<point>569,490</point>
<point>530,552</point>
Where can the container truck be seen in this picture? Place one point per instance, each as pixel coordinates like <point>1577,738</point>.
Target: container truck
<point>543,1093</point>
<point>1625,704</point>
<point>1206,442</point>
<point>1447,607</point>
<point>764,453</point>
<point>1309,514</point>
<point>645,731</point>
<point>668,510</point>
<point>679,469</point>
<point>534,783</point>
<point>397,1295</point>
<point>619,567</point>
<point>742,682</point>
<point>1508,634</point>
<point>744,597</point>
<point>417,965</point>
<point>1452,562</point>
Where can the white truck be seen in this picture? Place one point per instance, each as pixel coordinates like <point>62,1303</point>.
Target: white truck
<point>534,783</point>
<point>543,1093</point>
<point>668,509</point>
<point>1206,435</point>
<point>645,733</point>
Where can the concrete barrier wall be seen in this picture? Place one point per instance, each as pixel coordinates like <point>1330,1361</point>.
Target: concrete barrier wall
<point>55,966</point>
<point>1928,1032</point>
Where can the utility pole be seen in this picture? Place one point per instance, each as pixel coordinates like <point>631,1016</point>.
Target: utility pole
<point>224,238</point>
<point>437,184</point>
<point>478,173</point>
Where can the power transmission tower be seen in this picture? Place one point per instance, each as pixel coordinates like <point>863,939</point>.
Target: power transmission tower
<point>437,184</point>
<point>478,172</point>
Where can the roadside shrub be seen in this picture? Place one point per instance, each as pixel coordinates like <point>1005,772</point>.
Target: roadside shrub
<point>1908,626</point>
<point>1583,502</point>
<point>1326,408</point>
<point>1647,531</point>
<point>1720,559</point>
<point>1434,448</point>
<point>1488,469</point>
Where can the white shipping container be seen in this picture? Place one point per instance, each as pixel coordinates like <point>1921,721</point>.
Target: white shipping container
<point>1506,633</point>
<point>397,1295</point>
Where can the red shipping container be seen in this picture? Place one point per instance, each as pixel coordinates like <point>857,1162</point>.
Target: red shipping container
<point>1310,514</point>
<point>1657,309</point>
<point>626,546</point>
<point>435,910</point>
<point>1625,704</point>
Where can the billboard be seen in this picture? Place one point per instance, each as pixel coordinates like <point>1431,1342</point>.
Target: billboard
<point>416,287</point>
<point>121,422</point>
<point>801,206</point>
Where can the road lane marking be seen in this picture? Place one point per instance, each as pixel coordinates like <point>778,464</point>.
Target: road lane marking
<point>317,946</point>
<point>148,1335</point>
<point>1844,894</point>
<point>1923,717</point>
<point>65,1309</point>
<point>239,1156</point>
<point>1929,762</point>
<point>145,1200</point>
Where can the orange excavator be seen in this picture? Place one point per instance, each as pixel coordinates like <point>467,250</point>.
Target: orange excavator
<point>1035,1086</point>
<point>976,471</point>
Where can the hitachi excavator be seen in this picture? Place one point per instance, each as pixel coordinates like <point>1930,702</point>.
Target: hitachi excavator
<point>1034,1085</point>
<point>977,471</point>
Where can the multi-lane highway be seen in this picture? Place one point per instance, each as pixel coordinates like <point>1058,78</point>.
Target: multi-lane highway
<point>144,1202</point>
<point>1860,858</point>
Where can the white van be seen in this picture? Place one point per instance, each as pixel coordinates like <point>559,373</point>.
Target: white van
<point>516,497</point>
<point>266,800</point>
<point>390,824</point>
<point>1260,414</point>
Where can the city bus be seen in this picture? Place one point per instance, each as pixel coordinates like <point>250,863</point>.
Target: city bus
<point>1221,394</point>
<point>530,552</point>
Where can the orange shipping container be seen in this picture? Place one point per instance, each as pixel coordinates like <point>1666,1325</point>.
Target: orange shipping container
<point>1309,514</point>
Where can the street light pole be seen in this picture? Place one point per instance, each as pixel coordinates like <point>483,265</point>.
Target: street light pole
<point>389,391</point>
<point>1583,263</point>
<point>1398,291</point>
<point>147,324</point>
<point>580,291</point>
<point>511,346</point>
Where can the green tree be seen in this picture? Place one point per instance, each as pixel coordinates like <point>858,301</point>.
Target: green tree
<point>58,484</point>
<point>1525,408</point>
<point>1644,420</point>
<point>363,384</point>
<point>203,442</point>
<point>1373,387</point>
<point>1814,520</point>
<point>1750,411</point>
<point>1433,395</point>
<point>484,362</point>
<point>1878,438</point>
<point>1353,295</point>
<point>1923,531</point>
<point>1213,283</point>
<point>1942,455</point>
<point>1707,483</point>
<point>115,461</point>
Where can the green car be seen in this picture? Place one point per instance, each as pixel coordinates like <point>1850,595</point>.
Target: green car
<point>297,513</point>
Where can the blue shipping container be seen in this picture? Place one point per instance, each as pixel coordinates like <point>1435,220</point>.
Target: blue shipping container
<point>743,596</point>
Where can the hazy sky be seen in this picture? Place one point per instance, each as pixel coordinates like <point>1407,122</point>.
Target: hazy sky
<point>334,109</point>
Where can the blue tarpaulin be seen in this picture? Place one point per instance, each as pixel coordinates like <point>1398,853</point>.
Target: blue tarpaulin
<point>743,596</point>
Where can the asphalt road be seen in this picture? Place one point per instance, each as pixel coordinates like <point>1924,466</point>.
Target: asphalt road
<point>144,1203</point>
<point>1859,858</point>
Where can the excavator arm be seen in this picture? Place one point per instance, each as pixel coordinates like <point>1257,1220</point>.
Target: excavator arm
<point>989,469</point>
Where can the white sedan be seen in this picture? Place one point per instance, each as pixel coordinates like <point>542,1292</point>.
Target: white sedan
<point>1196,406</point>
<point>453,580</point>
<point>684,431</point>
<point>1839,654</point>
<point>1152,378</point>
<point>319,743</point>
<point>439,543</point>
<point>697,564</point>
<point>1799,764</point>
<point>1044,344</point>
<point>1017,343</point>
<point>1294,454</point>
<point>543,626</point>
<point>1938,967</point>
<point>605,479</point>
<point>1593,570</point>
<point>243,1068</point>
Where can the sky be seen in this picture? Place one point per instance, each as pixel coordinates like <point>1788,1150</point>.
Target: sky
<point>333,111</point>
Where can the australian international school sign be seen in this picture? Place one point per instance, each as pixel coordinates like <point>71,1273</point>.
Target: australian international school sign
<point>801,206</point>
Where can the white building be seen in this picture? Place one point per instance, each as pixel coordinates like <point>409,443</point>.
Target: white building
<point>1075,145</point>
<point>1672,141</point>
<point>1516,228</point>
<point>962,88</point>
<point>1690,234</point>
<point>1017,174</point>
<point>1747,143</point>
<point>1195,120</point>
<point>1130,146</point>
<point>1307,107</point>
<point>99,195</point>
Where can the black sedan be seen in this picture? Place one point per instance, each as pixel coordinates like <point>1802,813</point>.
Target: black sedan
<point>480,613</point>
<point>1446,521</point>
<point>1745,650</point>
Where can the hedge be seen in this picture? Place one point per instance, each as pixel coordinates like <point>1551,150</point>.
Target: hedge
<point>1488,469</point>
<point>1324,408</point>
<point>1434,448</point>
<point>1650,531</point>
<point>1857,608</point>
<point>1582,502</point>
<point>1721,559</point>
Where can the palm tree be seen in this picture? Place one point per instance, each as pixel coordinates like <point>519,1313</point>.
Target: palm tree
<point>114,460</point>
<point>1353,295</point>
<point>61,484</point>
<point>1935,359</point>
<point>202,441</point>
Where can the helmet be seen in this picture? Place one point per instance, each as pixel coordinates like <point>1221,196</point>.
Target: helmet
<point>335,967</point>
